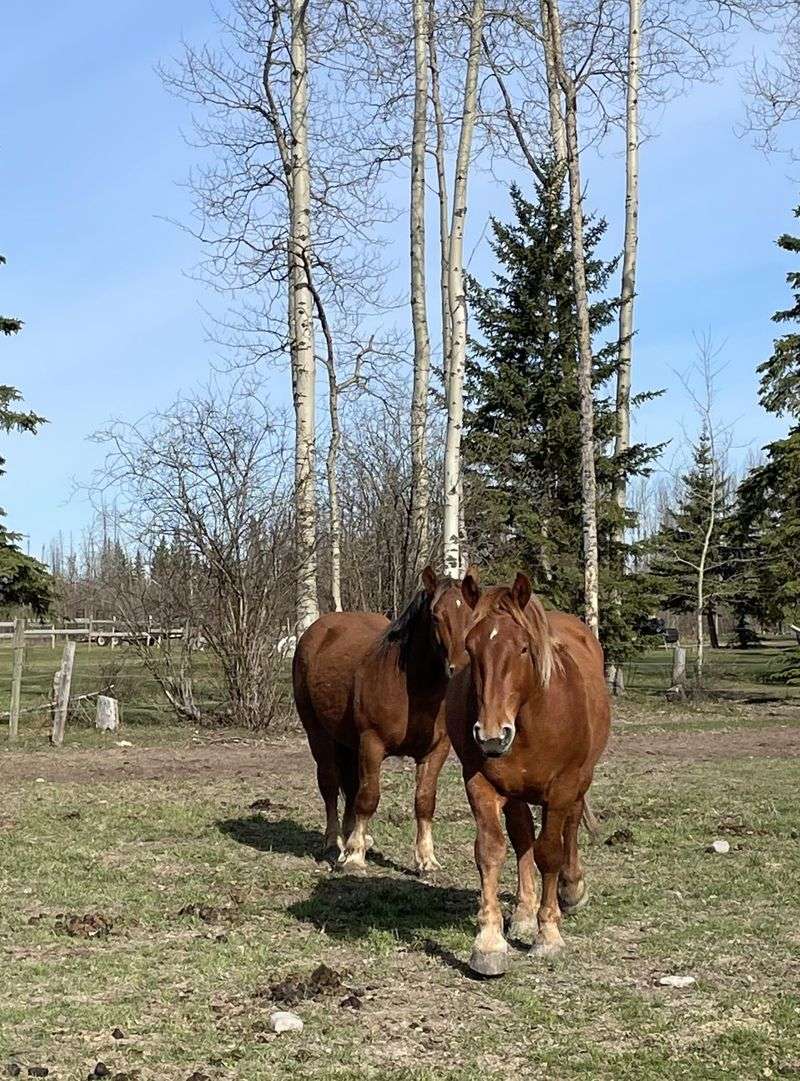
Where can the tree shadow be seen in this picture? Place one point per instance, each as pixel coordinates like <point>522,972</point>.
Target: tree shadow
<point>290,838</point>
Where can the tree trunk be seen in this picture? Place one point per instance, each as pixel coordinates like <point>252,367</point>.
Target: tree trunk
<point>558,136</point>
<point>585,360</point>
<point>440,151</point>
<point>628,290</point>
<point>301,320</point>
<point>419,313</point>
<point>458,304</point>
<point>713,626</point>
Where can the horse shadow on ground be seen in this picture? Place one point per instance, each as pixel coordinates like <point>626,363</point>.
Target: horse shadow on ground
<point>288,837</point>
<point>348,907</point>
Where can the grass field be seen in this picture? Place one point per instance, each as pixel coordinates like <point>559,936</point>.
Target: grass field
<point>145,837</point>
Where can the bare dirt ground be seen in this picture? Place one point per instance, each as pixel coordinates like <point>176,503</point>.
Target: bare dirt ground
<point>775,734</point>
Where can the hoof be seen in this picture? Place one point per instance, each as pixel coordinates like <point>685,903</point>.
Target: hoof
<point>540,950</point>
<point>523,930</point>
<point>352,865</point>
<point>331,855</point>
<point>569,908</point>
<point>489,964</point>
<point>427,868</point>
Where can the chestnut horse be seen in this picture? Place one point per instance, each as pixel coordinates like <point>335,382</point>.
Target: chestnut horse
<point>528,719</point>
<point>367,689</point>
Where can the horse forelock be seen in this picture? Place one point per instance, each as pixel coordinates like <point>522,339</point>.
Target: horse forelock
<point>532,620</point>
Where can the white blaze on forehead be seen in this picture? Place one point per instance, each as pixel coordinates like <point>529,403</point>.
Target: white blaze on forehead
<point>493,634</point>
<point>458,603</point>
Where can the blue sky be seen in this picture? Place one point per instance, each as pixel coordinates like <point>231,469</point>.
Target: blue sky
<point>91,160</point>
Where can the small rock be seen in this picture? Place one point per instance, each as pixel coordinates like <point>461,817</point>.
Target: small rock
<point>101,1070</point>
<point>118,1034</point>
<point>122,743</point>
<point>13,1069</point>
<point>39,780</point>
<point>721,848</point>
<point>285,1021</point>
<point>676,981</point>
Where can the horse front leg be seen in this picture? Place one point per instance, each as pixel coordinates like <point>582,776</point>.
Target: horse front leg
<point>490,950</point>
<point>428,770</point>
<point>549,855</point>
<point>519,823</point>
<point>371,753</point>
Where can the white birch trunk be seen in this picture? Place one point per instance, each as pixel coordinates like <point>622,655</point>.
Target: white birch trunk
<point>701,568</point>
<point>558,136</point>
<point>301,321</point>
<point>458,304</point>
<point>588,479</point>
<point>419,312</point>
<point>440,150</point>
<point>628,290</point>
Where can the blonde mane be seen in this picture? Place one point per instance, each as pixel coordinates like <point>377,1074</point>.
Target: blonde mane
<point>532,620</point>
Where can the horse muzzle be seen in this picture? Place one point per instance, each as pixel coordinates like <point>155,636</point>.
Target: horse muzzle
<point>494,746</point>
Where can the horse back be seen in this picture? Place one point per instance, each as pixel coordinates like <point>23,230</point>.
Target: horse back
<point>328,656</point>
<point>583,671</point>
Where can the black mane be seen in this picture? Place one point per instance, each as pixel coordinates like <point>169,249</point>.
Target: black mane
<point>401,630</point>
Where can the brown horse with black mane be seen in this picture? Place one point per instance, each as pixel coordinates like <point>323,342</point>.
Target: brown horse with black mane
<point>367,689</point>
<point>529,719</point>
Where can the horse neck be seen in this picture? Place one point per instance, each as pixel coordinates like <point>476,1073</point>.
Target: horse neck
<point>424,666</point>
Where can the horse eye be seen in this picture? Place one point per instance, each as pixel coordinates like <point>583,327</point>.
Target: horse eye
<point>524,649</point>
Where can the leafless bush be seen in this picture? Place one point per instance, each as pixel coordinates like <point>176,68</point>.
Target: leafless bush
<point>201,493</point>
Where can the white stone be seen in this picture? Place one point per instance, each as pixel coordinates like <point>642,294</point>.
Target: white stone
<point>122,743</point>
<point>720,847</point>
<point>676,981</point>
<point>285,1021</point>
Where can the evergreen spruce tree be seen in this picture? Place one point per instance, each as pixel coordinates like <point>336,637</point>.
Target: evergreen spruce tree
<point>23,580</point>
<point>677,549</point>
<point>769,497</point>
<point>522,441</point>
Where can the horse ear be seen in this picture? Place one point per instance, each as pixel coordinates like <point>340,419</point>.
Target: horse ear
<point>521,590</point>
<point>470,590</point>
<point>429,580</point>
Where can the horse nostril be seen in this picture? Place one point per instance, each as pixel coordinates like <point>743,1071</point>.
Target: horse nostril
<point>476,732</point>
<point>451,668</point>
<point>508,732</point>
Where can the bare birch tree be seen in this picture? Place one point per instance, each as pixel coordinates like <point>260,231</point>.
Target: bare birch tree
<point>458,302</point>
<point>302,321</point>
<point>419,307</point>
<point>629,251</point>
<point>570,87</point>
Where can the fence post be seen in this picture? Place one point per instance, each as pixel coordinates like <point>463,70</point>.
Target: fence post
<point>107,716</point>
<point>678,666</point>
<point>91,628</point>
<point>62,697</point>
<point>16,678</point>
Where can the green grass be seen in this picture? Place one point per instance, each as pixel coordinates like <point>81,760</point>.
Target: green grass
<point>188,993</point>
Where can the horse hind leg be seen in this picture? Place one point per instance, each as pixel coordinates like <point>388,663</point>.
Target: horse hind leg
<point>371,753</point>
<point>323,749</point>
<point>347,762</point>
<point>573,893</point>
<point>428,770</point>
<point>519,823</point>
